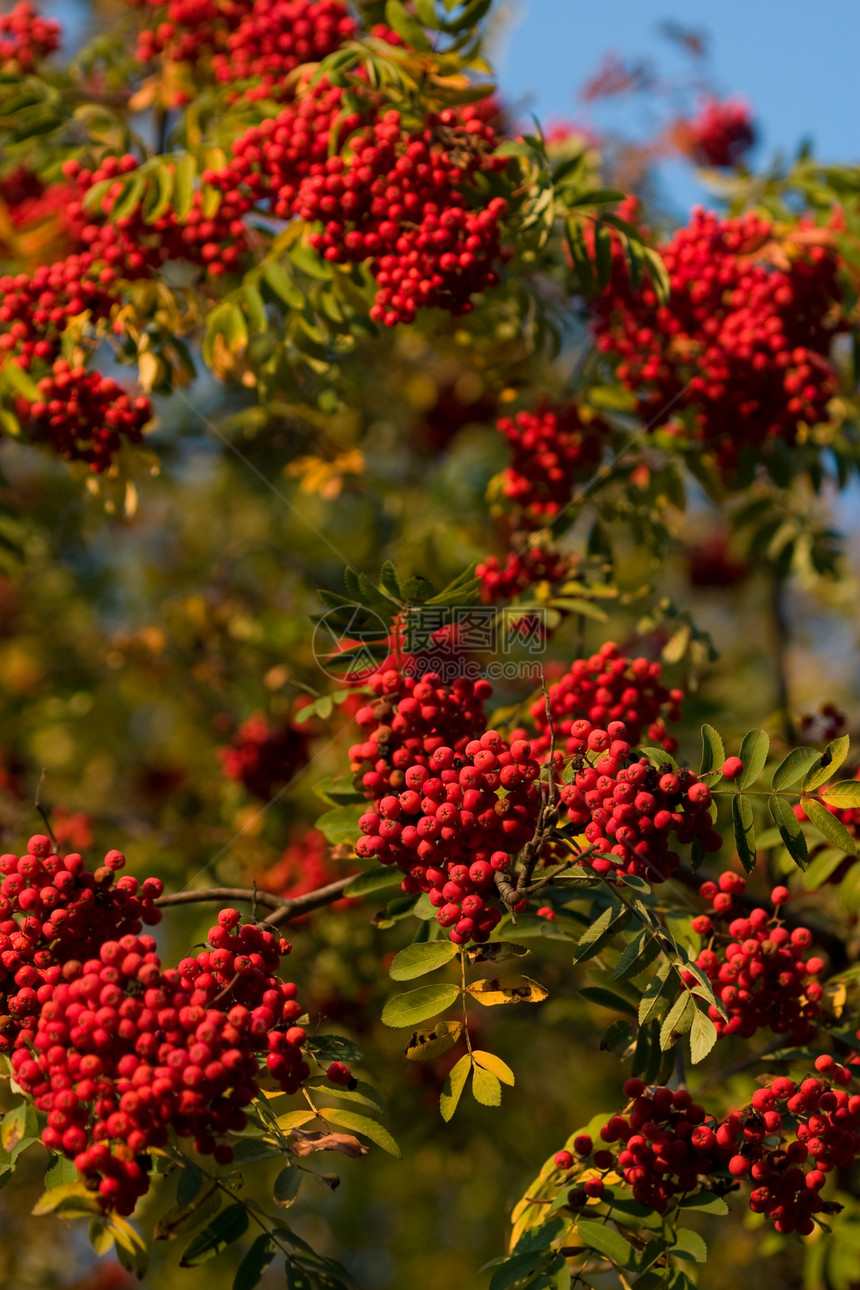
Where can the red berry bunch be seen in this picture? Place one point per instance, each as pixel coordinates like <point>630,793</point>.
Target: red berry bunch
<point>435,788</point>
<point>720,135</point>
<point>410,203</point>
<point>668,1147</point>
<point>26,38</point>
<point>630,811</point>
<point>608,687</point>
<point>744,338</point>
<point>247,40</point>
<point>407,720</point>
<point>83,416</point>
<point>501,582</point>
<point>757,967</point>
<point>551,449</point>
<point>263,755</point>
<point>130,246</point>
<point>114,1047</point>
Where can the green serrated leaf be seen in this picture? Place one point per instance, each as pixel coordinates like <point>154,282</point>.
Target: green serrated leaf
<point>828,825</point>
<point>606,1240</point>
<point>703,1036</point>
<point>794,767</point>
<point>713,750</point>
<point>831,759</point>
<point>753,754</point>
<point>419,1005</point>
<point>678,1020</point>
<point>250,1271</point>
<point>416,960</point>
<point>844,795</point>
<point>743,821</point>
<point>789,830</point>
<point>229,1225</point>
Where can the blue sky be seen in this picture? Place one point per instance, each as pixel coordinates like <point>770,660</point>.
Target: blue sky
<point>795,61</point>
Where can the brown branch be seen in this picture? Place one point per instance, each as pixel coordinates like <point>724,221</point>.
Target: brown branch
<point>283,908</point>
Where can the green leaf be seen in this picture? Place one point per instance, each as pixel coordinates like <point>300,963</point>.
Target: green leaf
<point>341,823</point>
<point>829,826</point>
<point>597,196</point>
<point>130,197</point>
<point>703,1036</point>
<point>364,1125</point>
<point>250,1271</point>
<point>753,754</point>
<point>419,1005</point>
<point>183,185</point>
<point>843,795</point>
<point>101,1237</point>
<point>655,996</point>
<point>364,884</point>
<point>406,26</point>
<point>19,381</point>
<point>229,1225</point>
<point>689,1245</point>
<point>486,1088</point>
<point>453,1087</point>
<point>60,1171</point>
<point>744,827</point>
<point>283,285</point>
<point>608,999</point>
<point>612,920</point>
<point>605,1239</point>
<point>713,751</point>
<point>789,830</point>
<point>705,1202</point>
<point>794,767</point>
<point>416,960</point>
<point>678,1020</point>
<point>822,866</point>
<point>69,1199</point>
<point>287,1186</point>
<point>831,759</point>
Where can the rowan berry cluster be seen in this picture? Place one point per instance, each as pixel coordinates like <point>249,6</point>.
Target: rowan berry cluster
<point>407,202</point>
<point>83,415</point>
<point>825,724</point>
<point>551,450</point>
<point>436,806</point>
<point>131,246</point>
<point>630,811</point>
<point>501,582</point>
<point>114,1047</point>
<point>744,338</point>
<point>757,967</point>
<point>26,37</point>
<point>261,41</point>
<point>263,755</point>
<point>608,687</point>
<point>669,1145</point>
<point>721,134</point>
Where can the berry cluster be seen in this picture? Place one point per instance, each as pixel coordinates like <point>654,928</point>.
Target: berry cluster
<point>608,687</point>
<point>262,41</point>
<point>758,968</point>
<point>744,338</point>
<point>711,562</point>
<point>435,788</point>
<point>551,450</point>
<point>26,38</point>
<point>630,811</point>
<point>83,415</point>
<point>114,1047</point>
<point>262,756</point>
<point>721,135</point>
<point>667,1148</point>
<point>522,570</point>
<point>407,202</point>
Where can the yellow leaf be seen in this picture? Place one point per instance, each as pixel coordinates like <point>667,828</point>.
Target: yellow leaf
<point>507,989</point>
<point>490,1062</point>
<point>433,1041</point>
